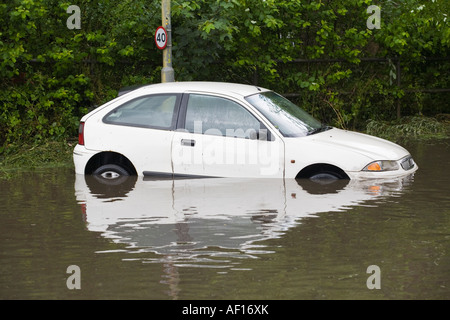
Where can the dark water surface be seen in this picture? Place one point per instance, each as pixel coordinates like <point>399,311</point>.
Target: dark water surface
<point>228,238</point>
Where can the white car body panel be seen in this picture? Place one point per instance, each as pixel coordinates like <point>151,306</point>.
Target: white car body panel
<point>218,156</point>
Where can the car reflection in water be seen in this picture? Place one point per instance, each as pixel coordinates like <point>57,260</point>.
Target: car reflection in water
<point>208,222</point>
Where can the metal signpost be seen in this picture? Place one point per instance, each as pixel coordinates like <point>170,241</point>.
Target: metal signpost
<point>167,72</point>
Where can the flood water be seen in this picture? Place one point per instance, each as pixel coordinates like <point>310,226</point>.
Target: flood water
<point>227,238</point>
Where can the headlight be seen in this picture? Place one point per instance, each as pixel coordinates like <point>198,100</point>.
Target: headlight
<point>382,165</point>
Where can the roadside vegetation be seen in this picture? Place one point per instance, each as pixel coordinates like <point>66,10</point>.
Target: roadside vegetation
<point>408,128</point>
<point>24,157</point>
<point>392,82</point>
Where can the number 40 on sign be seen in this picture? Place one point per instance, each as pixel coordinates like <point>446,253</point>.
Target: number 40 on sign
<point>161,38</point>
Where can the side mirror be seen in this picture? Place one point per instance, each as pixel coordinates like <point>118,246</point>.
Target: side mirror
<point>253,135</point>
<point>261,135</point>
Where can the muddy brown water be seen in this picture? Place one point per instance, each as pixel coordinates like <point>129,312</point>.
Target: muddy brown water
<point>228,239</point>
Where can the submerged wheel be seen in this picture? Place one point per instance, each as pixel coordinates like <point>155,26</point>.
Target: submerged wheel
<point>322,172</point>
<point>110,182</point>
<point>325,176</point>
<point>111,172</point>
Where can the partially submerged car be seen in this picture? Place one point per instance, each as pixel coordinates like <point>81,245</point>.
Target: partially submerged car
<point>212,129</point>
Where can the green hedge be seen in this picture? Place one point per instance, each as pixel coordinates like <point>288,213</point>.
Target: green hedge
<point>51,75</point>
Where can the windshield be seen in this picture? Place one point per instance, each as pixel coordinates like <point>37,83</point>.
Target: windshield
<point>289,119</point>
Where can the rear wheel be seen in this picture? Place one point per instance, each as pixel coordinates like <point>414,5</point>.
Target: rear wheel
<point>111,172</point>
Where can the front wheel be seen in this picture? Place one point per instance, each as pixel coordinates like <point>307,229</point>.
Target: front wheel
<point>325,176</point>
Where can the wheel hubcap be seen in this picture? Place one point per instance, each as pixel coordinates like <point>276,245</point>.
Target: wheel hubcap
<point>110,175</point>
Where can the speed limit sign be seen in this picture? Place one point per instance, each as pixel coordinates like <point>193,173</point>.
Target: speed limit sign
<point>161,38</point>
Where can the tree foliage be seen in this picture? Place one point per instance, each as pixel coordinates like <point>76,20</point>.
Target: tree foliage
<point>51,75</point>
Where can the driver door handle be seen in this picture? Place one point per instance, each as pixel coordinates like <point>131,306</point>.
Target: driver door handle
<point>188,142</point>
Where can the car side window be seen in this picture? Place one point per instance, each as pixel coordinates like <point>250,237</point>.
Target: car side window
<point>219,116</point>
<point>154,111</point>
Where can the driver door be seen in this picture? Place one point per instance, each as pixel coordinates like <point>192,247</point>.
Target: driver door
<point>218,137</point>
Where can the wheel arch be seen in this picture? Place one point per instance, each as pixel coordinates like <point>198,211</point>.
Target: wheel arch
<point>109,157</point>
<point>313,169</point>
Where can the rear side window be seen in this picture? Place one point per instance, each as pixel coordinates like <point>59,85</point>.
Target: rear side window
<point>155,111</point>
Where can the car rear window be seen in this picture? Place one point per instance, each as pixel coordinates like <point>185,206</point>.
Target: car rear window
<point>154,111</point>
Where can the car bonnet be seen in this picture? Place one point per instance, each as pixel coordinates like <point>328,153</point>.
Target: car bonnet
<point>373,147</point>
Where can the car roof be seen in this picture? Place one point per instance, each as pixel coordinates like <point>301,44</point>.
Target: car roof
<point>234,89</point>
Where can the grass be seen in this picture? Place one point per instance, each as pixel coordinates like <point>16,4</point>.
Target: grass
<point>417,128</point>
<point>52,154</point>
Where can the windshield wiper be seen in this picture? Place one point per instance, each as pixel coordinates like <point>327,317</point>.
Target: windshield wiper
<point>321,129</point>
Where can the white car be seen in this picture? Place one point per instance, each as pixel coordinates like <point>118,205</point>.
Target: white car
<point>211,129</point>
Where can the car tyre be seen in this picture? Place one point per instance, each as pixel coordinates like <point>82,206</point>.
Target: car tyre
<point>109,189</point>
<point>111,172</point>
<point>324,176</point>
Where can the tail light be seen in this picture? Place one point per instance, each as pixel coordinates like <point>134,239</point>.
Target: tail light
<point>81,134</point>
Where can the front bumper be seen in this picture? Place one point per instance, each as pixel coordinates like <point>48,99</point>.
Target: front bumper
<point>406,165</point>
